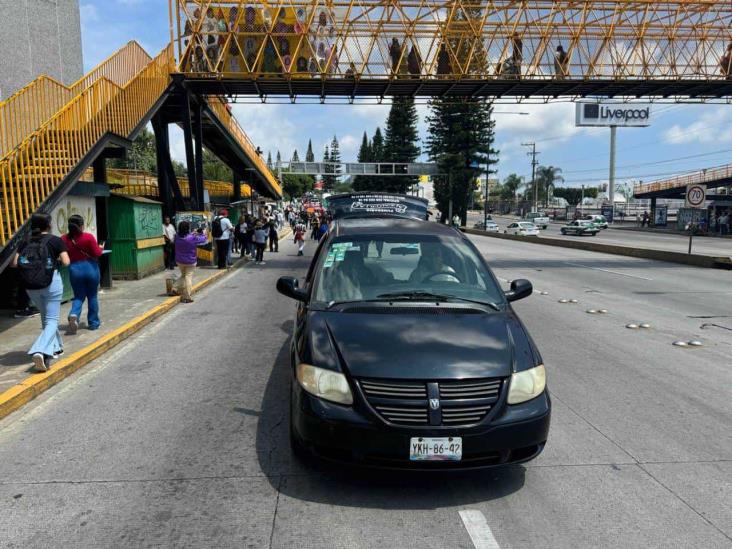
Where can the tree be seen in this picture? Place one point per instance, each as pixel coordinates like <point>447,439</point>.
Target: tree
<point>295,157</point>
<point>294,186</point>
<point>335,159</point>
<point>141,156</point>
<point>214,169</point>
<point>573,195</point>
<point>546,177</point>
<point>362,182</point>
<point>511,185</point>
<point>401,141</point>
<point>460,139</point>
<point>377,146</point>
<point>309,156</point>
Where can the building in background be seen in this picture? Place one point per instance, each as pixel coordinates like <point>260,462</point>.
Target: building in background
<point>39,37</point>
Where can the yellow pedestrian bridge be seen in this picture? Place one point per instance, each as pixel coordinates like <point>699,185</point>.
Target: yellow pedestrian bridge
<point>491,48</point>
<point>51,133</point>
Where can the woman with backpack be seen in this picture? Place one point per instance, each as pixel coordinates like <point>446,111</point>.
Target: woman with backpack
<point>84,253</point>
<point>38,260</point>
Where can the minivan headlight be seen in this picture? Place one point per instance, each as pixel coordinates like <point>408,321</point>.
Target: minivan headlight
<point>527,384</point>
<point>325,384</point>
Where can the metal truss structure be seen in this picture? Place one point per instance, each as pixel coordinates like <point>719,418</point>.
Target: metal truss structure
<point>495,48</point>
<point>388,169</point>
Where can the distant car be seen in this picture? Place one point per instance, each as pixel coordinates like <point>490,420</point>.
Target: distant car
<point>539,219</point>
<point>598,220</point>
<point>522,228</point>
<point>489,226</point>
<point>581,227</point>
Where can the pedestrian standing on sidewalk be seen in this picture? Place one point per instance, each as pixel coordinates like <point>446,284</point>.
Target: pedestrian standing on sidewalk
<point>274,237</point>
<point>186,257</point>
<point>260,240</point>
<point>645,220</point>
<point>169,248</point>
<point>249,236</point>
<point>84,253</point>
<point>723,223</point>
<point>221,229</point>
<point>38,260</point>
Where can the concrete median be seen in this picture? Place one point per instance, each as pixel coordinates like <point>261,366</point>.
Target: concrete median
<point>696,260</point>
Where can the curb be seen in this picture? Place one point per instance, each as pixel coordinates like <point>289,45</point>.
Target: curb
<point>695,260</point>
<point>25,391</point>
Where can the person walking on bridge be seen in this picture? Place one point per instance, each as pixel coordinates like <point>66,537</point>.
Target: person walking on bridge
<point>84,253</point>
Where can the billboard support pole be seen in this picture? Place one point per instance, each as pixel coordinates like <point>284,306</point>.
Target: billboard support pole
<point>611,182</point>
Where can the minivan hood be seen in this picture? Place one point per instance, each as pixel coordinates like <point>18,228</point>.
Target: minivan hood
<point>418,346</point>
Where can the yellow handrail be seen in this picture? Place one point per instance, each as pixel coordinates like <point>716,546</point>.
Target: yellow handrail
<point>142,183</point>
<point>221,110</point>
<point>28,108</point>
<point>41,161</point>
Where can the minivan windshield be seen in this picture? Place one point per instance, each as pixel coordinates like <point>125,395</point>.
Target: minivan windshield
<point>417,267</point>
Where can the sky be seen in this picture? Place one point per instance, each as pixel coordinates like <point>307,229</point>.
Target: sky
<point>681,138</point>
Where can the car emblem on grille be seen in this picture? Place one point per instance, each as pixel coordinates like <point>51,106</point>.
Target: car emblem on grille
<point>435,403</point>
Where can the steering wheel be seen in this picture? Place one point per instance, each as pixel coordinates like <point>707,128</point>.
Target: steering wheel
<point>447,277</point>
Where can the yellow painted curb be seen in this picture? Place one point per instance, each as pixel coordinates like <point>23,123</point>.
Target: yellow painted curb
<point>25,391</point>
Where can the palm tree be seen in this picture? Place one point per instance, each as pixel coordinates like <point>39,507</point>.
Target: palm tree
<point>511,185</point>
<point>546,177</point>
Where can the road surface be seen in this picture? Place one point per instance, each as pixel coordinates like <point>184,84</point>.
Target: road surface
<point>179,437</point>
<point>625,237</point>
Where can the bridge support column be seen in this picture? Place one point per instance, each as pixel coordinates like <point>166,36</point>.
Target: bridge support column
<point>236,180</point>
<point>170,192</point>
<point>191,164</point>
<point>651,221</point>
<point>198,135</point>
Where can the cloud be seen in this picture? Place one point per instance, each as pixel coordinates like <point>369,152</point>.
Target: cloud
<point>269,127</point>
<point>719,118</point>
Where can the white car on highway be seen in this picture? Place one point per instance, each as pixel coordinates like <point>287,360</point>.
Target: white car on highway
<point>522,228</point>
<point>538,218</point>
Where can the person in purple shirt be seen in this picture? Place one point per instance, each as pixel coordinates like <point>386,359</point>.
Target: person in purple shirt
<point>186,243</point>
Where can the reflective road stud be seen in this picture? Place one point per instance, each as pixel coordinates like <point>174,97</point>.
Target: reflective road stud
<point>632,326</point>
<point>680,343</point>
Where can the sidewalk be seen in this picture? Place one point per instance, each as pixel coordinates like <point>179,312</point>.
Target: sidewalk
<point>126,301</point>
<point>124,310</point>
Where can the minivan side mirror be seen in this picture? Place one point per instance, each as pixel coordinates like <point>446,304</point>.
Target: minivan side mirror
<point>520,289</point>
<point>288,286</point>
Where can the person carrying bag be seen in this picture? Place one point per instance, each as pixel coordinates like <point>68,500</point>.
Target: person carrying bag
<point>38,260</point>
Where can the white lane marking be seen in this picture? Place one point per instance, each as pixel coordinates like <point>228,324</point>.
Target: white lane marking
<point>478,529</point>
<point>606,270</point>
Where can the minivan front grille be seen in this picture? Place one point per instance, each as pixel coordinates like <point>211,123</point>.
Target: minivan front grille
<point>461,403</point>
<point>479,388</point>
<point>394,389</point>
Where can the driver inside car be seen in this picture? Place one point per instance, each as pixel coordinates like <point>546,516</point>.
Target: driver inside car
<point>431,263</point>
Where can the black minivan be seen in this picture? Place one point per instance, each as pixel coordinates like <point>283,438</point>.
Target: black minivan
<point>406,353</point>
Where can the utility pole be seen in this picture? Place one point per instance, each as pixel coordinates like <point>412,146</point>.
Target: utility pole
<point>534,163</point>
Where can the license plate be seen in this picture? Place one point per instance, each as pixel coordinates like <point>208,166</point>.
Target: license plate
<point>435,449</point>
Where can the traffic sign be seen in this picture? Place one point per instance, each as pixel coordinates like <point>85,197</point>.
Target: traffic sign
<point>696,195</point>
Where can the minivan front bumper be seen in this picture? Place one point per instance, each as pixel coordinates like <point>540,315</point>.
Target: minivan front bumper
<point>346,434</point>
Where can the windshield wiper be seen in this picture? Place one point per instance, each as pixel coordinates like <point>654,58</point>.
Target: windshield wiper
<point>420,294</point>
